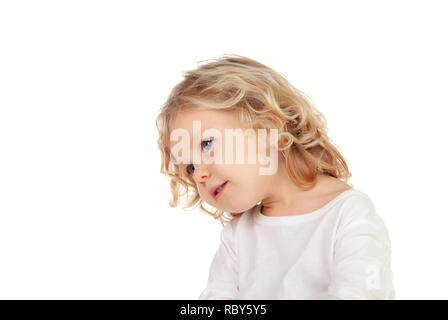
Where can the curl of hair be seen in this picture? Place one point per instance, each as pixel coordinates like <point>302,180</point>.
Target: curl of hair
<point>261,98</point>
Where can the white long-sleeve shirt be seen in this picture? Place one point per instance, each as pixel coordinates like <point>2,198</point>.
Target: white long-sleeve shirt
<point>340,251</point>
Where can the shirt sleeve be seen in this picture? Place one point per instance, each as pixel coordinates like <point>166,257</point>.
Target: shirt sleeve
<point>362,254</point>
<point>223,276</point>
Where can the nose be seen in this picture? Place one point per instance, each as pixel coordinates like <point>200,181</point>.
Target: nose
<point>201,173</point>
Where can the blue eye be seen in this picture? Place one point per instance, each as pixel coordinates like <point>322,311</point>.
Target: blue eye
<point>187,169</point>
<point>205,142</point>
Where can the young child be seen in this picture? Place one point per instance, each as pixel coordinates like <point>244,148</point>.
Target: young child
<point>293,227</point>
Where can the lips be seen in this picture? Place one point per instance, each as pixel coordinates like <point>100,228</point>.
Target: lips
<point>216,191</point>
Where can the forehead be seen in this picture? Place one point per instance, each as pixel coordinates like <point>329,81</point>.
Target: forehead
<point>207,118</point>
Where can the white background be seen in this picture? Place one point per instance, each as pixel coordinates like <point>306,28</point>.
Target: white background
<point>83,208</point>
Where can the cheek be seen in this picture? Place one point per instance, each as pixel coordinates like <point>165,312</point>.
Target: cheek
<point>203,193</point>
<point>250,174</point>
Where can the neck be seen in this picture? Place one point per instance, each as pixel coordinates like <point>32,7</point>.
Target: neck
<point>284,195</point>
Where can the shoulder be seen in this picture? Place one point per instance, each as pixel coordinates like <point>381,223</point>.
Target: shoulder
<point>355,198</point>
<point>358,212</point>
<point>357,204</point>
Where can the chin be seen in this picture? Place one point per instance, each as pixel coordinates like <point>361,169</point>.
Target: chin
<point>239,207</point>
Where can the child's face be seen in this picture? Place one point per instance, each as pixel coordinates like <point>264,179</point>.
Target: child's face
<point>245,185</point>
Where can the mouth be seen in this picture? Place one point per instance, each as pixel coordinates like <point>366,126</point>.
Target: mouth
<point>219,190</point>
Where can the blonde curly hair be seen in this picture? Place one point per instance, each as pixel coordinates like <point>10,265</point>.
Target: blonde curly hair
<point>261,98</point>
